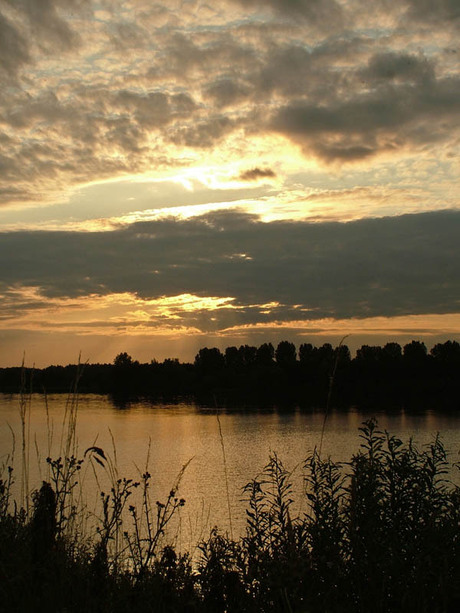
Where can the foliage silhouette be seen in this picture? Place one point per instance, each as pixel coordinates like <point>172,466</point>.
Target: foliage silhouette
<point>380,533</point>
<point>378,377</point>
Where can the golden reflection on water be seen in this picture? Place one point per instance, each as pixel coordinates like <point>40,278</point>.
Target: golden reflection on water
<point>171,435</point>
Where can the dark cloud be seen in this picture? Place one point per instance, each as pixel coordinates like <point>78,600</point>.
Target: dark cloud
<point>14,50</point>
<point>52,30</point>
<point>46,21</point>
<point>375,267</point>
<point>386,118</point>
<point>126,36</point>
<point>202,133</point>
<point>226,91</point>
<point>287,69</point>
<point>432,11</point>
<point>253,174</point>
<point>410,13</point>
<point>71,136</point>
<point>139,88</point>
<point>206,53</point>
<point>45,107</point>
<point>155,109</point>
<point>327,14</point>
<point>404,67</point>
<point>25,24</point>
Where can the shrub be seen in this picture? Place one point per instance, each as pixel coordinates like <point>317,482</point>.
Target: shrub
<point>381,533</point>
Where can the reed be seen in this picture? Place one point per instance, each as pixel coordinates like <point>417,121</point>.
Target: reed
<point>224,460</point>
<point>380,533</point>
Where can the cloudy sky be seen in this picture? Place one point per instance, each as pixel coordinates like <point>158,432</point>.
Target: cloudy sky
<point>183,173</point>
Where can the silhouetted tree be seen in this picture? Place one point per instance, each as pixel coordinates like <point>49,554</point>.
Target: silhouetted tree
<point>325,357</point>
<point>306,351</point>
<point>126,375</point>
<point>285,354</point>
<point>447,353</point>
<point>392,352</point>
<point>391,373</point>
<point>232,357</point>
<point>265,354</point>
<point>369,355</point>
<point>446,371</point>
<point>343,356</point>
<point>415,352</point>
<point>209,360</point>
<point>248,354</point>
<point>123,360</point>
<point>341,384</point>
<point>385,376</point>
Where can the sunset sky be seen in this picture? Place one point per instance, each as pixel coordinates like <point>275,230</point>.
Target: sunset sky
<point>181,174</point>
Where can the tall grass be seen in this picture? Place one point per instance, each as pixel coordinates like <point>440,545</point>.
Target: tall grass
<point>53,548</point>
<point>381,533</point>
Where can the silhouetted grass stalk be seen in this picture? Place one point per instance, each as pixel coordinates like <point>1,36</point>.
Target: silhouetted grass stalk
<point>329,391</point>
<point>227,491</point>
<point>381,533</point>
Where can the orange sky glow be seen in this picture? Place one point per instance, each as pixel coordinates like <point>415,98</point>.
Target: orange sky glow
<point>180,174</point>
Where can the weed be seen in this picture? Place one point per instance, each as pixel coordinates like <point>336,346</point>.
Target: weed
<point>381,533</point>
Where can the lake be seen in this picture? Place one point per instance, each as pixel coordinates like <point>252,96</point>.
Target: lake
<point>226,448</point>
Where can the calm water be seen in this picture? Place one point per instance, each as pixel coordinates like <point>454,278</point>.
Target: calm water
<point>176,434</point>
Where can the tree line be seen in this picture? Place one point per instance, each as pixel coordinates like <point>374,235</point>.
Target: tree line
<point>391,376</point>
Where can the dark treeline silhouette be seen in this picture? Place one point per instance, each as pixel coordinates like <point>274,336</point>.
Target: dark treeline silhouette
<point>388,377</point>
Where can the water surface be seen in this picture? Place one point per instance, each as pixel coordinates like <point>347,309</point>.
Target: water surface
<point>226,448</point>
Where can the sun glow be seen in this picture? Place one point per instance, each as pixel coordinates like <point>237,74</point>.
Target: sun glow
<point>102,314</point>
<point>403,324</point>
<point>190,314</point>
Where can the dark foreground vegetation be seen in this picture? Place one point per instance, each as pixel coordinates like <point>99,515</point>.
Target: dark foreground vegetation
<point>388,377</point>
<point>379,534</point>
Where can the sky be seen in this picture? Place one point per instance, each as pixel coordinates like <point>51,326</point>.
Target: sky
<point>176,174</point>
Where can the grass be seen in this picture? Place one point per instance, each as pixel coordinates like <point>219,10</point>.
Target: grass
<point>381,533</point>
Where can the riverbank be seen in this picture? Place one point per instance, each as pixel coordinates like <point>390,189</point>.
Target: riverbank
<point>381,534</point>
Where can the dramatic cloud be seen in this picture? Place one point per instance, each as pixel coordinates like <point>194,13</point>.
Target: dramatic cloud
<point>261,272</point>
<point>399,66</point>
<point>27,26</point>
<point>257,173</point>
<point>14,50</point>
<point>93,91</point>
<point>320,13</point>
<point>434,10</point>
<point>159,156</point>
<point>386,118</point>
